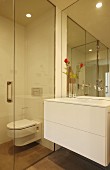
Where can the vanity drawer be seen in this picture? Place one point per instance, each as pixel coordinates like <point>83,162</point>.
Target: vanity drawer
<point>89,145</point>
<point>87,118</point>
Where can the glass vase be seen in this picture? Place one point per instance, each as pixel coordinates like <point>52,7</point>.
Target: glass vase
<point>70,90</point>
<point>74,89</point>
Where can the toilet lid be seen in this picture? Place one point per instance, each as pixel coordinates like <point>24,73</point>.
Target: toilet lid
<point>21,124</point>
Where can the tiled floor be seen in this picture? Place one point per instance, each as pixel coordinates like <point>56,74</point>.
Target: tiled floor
<point>64,159</point>
<point>25,156</point>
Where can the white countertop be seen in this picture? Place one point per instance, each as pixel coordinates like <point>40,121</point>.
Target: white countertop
<point>84,100</point>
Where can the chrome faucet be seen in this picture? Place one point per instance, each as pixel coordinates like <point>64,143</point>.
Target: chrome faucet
<point>85,85</point>
<point>98,85</point>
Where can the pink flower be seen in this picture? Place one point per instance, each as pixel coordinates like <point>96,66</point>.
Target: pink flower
<point>66,61</point>
<point>81,65</point>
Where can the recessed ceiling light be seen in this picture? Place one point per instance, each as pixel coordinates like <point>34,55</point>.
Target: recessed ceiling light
<point>28,15</point>
<point>99,5</point>
<point>90,50</point>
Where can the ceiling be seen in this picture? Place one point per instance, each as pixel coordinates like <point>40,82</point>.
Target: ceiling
<point>80,40</point>
<point>96,21</point>
<point>84,12</point>
<point>22,7</point>
<point>76,35</point>
<point>62,4</point>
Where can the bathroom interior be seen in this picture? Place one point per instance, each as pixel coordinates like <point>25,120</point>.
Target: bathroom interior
<point>27,78</point>
<point>27,73</point>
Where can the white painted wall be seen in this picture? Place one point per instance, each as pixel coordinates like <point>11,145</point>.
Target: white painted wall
<point>40,54</point>
<point>19,59</point>
<point>19,70</point>
<point>39,66</point>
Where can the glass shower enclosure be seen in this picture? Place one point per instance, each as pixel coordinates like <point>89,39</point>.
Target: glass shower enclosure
<point>6,82</point>
<point>26,79</point>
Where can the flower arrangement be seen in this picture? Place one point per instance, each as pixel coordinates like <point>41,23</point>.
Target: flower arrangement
<point>69,72</point>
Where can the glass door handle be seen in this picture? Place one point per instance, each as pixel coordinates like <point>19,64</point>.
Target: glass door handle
<point>9,91</point>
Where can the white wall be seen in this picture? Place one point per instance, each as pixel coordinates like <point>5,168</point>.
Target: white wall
<point>19,59</point>
<point>20,42</point>
<point>39,56</point>
<point>39,65</point>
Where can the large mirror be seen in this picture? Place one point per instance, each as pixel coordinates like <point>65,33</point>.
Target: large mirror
<point>84,49</point>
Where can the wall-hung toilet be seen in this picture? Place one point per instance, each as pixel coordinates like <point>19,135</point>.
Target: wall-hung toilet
<point>24,131</point>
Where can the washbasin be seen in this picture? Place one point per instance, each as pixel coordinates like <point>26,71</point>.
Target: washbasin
<point>86,100</point>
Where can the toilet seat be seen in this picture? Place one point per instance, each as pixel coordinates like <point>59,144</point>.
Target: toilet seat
<point>22,124</point>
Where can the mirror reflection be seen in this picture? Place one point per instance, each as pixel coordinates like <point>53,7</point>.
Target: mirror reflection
<point>83,47</point>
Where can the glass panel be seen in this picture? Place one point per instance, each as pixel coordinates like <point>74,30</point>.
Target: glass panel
<point>91,65</point>
<point>90,38</point>
<point>82,47</point>
<point>103,70</point>
<point>34,78</point>
<point>75,34</point>
<point>78,56</point>
<point>91,69</point>
<point>76,52</point>
<point>6,82</point>
<point>94,80</point>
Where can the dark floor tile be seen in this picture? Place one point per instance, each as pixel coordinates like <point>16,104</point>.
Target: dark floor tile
<point>64,159</point>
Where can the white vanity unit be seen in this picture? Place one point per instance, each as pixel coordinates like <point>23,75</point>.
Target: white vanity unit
<point>80,124</point>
